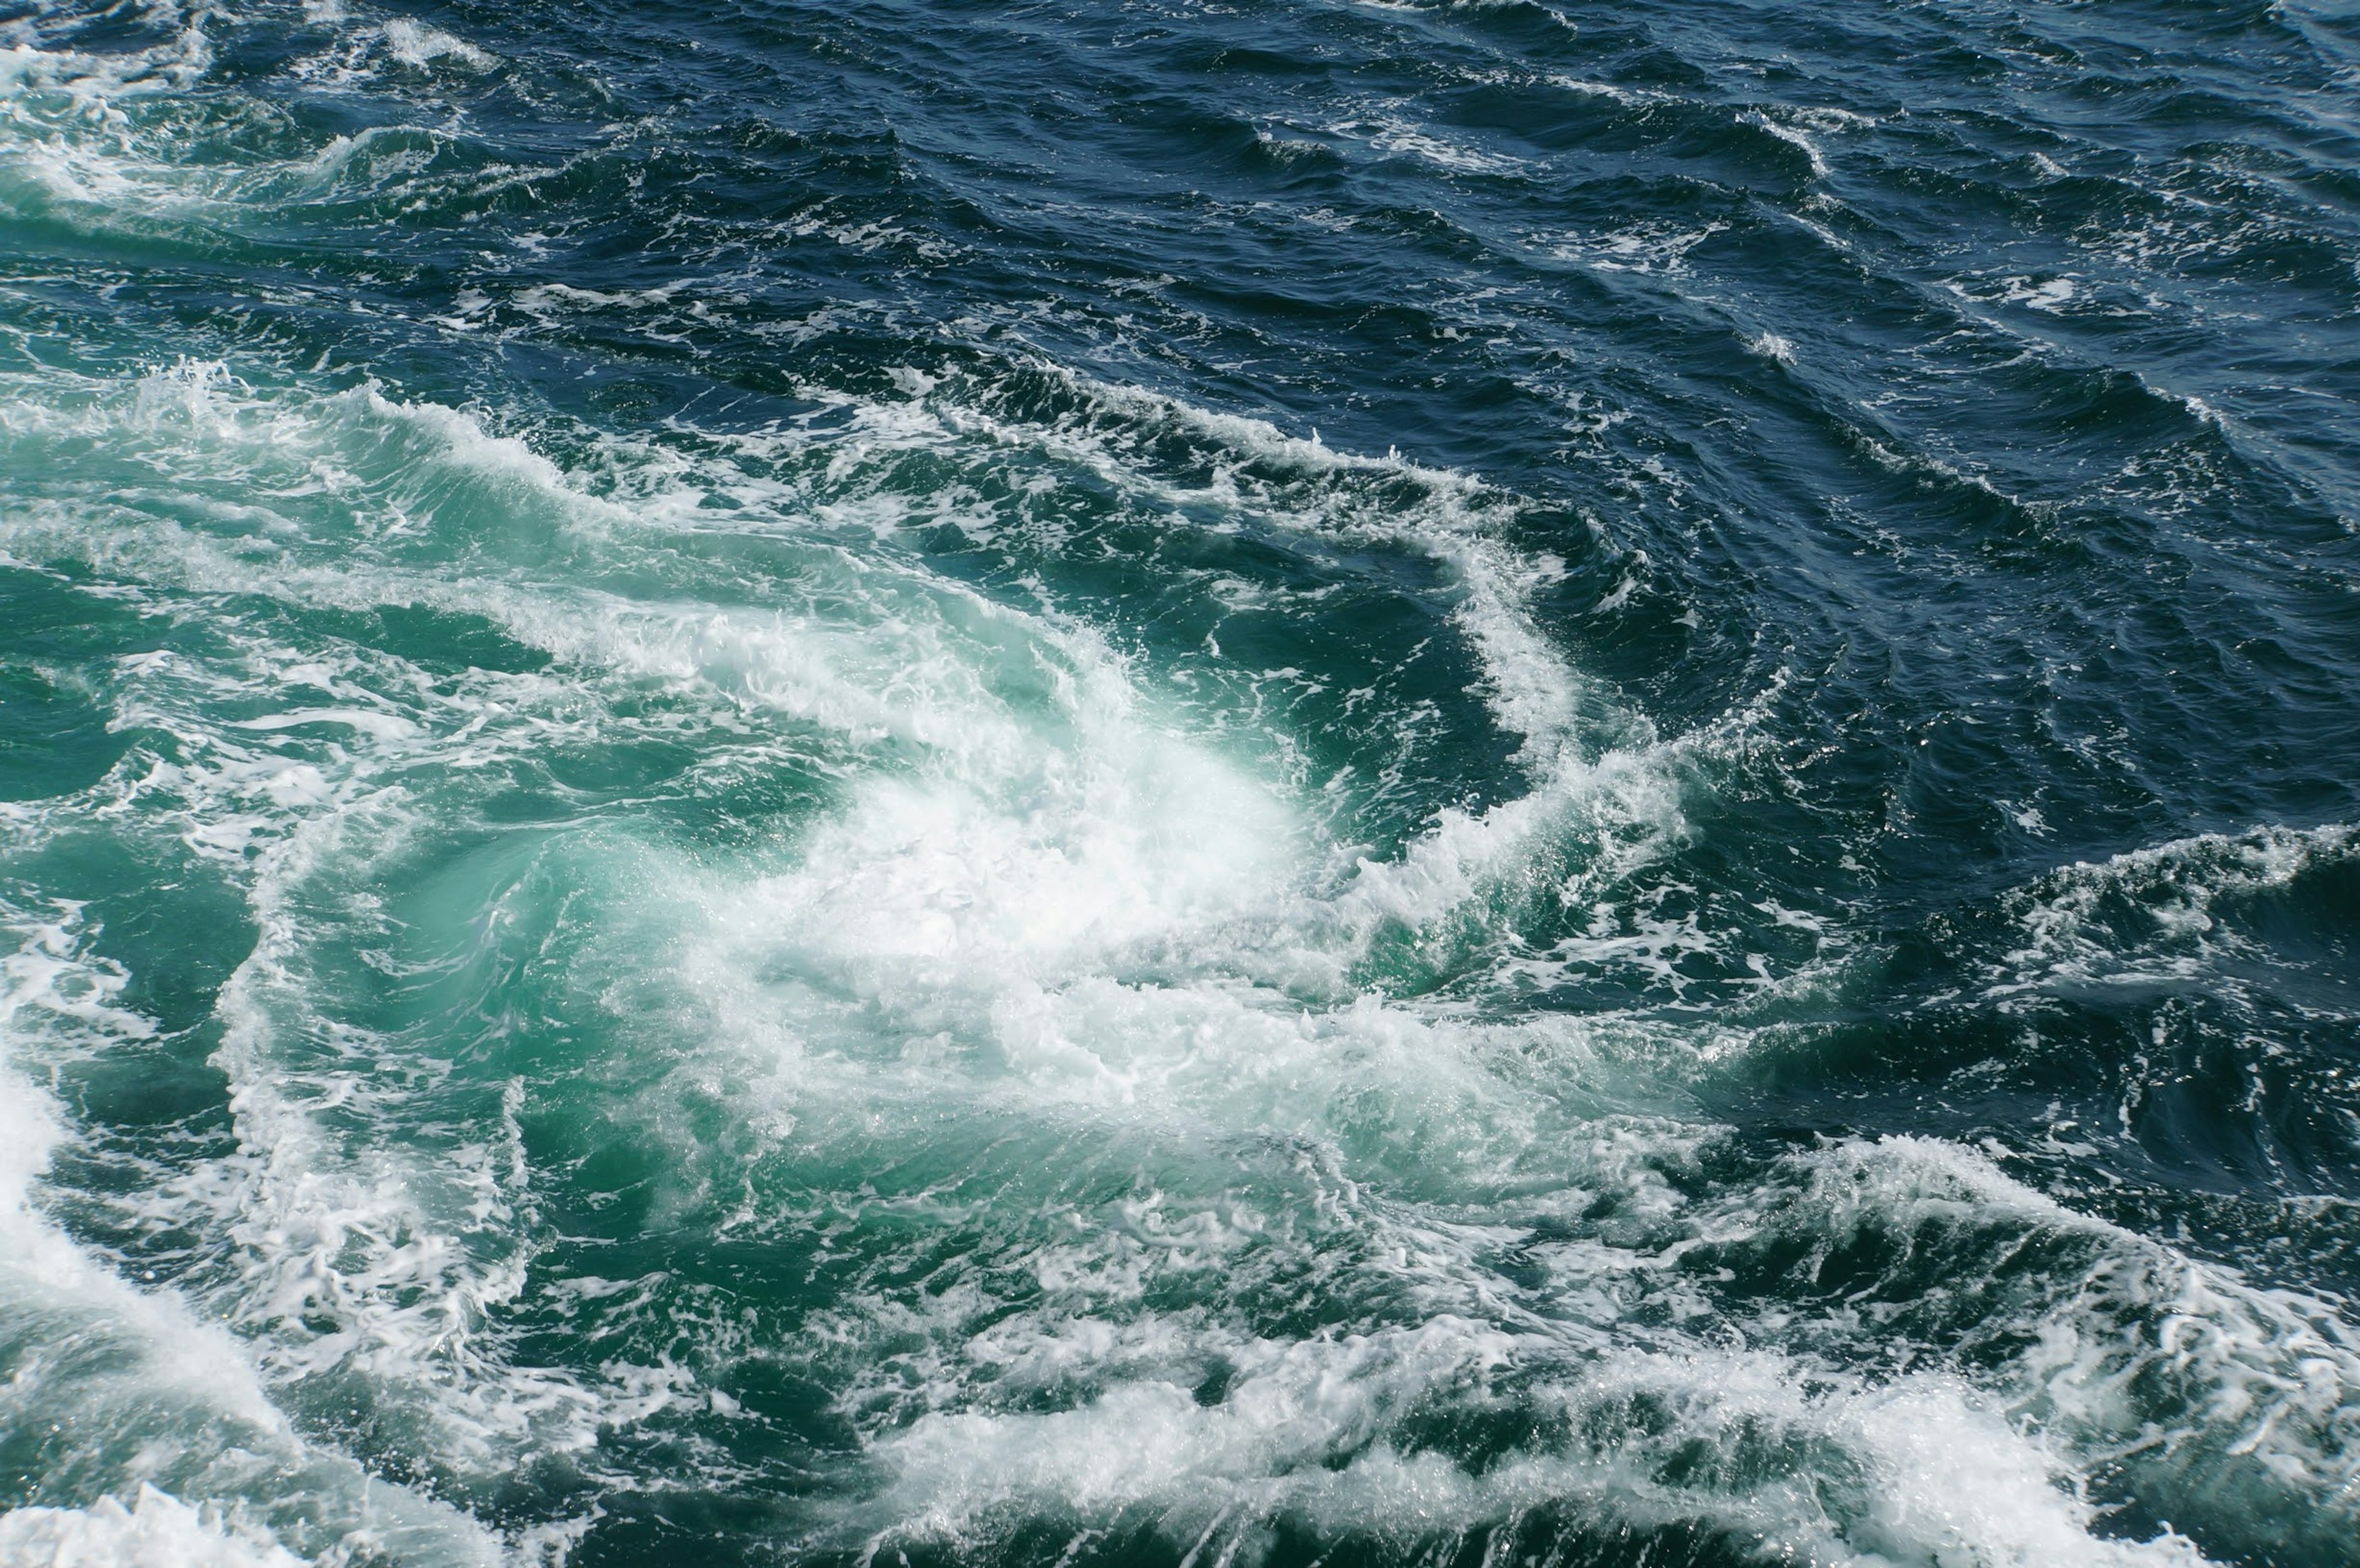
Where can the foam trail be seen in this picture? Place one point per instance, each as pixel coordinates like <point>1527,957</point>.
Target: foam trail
<point>1602,778</point>
<point>1924,1470</point>
<point>129,1381</point>
<point>1212,1231</point>
<point>2256,1383</point>
<point>154,1530</point>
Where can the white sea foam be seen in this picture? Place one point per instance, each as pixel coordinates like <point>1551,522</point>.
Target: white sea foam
<point>1922,1469</point>
<point>78,132</point>
<point>115,1360</point>
<point>380,1262</point>
<point>405,1259</point>
<point>1041,906</point>
<point>372,1243</point>
<point>2253,1387</point>
<point>1634,96</point>
<point>1604,785</point>
<point>53,993</point>
<point>415,43</point>
<point>1921,1466</point>
<point>817,674</point>
<point>98,141</point>
<point>1648,248</point>
<point>155,1531</point>
<point>2052,295</point>
<point>2150,913</point>
<point>1793,135</point>
<point>1391,135</point>
<point>90,81</point>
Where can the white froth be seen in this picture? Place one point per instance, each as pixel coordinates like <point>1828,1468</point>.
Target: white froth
<point>415,43</point>
<point>168,1371</point>
<point>1793,136</point>
<point>56,999</point>
<point>2150,913</point>
<point>1919,1470</point>
<point>157,1530</point>
<point>1037,898</point>
<point>2270,1376</point>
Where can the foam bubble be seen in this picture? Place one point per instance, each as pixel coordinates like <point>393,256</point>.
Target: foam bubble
<point>1037,912</point>
<point>1316,1434</point>
<point>1793,135</point>
<point>156,1530</point>
<point>416,44</point>
<point>2153,911</point>
<point>135,1383</point>
<point>2131,1339</point>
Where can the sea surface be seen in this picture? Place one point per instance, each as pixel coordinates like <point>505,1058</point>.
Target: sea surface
<point>909,784</point>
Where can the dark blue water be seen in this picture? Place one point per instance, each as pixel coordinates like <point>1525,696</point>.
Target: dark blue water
<point>1207,785</point>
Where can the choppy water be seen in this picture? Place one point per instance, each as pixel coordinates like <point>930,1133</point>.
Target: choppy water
<point>1490,785</point>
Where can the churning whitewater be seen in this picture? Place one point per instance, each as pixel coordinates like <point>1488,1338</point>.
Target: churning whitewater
<point>1490,784</point>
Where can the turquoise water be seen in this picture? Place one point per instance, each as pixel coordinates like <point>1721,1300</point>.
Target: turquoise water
<point>1486,785</point>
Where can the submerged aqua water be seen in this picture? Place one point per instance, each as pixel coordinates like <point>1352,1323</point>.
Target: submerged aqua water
<point>1491,785</point>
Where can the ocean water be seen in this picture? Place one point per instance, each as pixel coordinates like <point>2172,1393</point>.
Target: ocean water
<point>903,783</point>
